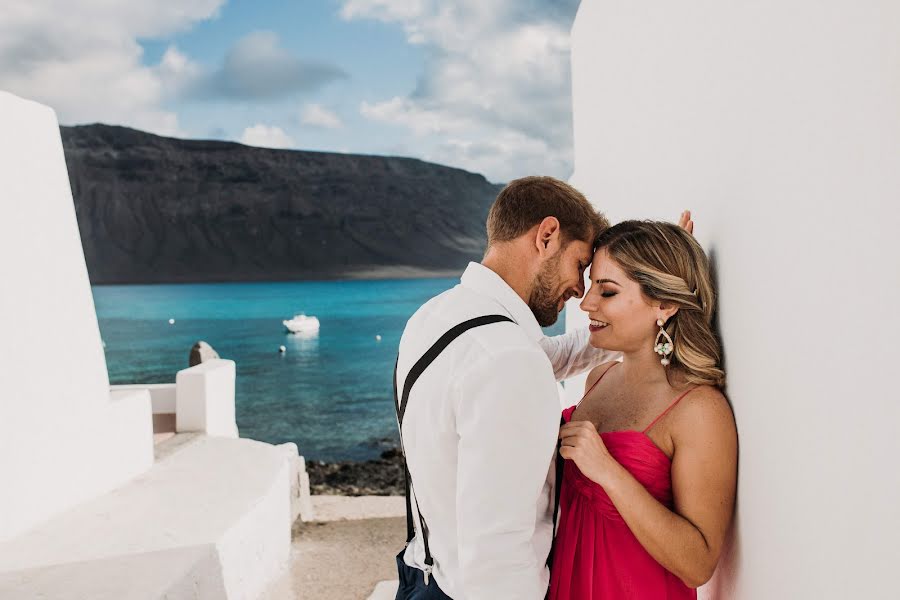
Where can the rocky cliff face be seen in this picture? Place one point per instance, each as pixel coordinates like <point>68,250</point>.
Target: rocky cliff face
<point>154,209</point>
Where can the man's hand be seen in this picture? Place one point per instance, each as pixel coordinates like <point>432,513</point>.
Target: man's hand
<point>685,222</point>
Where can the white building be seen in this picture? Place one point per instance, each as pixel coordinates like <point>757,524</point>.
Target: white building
<point>778,123</point>
<point>89,507</point>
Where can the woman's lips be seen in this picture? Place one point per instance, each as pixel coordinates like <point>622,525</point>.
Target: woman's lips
<point>593,328</point>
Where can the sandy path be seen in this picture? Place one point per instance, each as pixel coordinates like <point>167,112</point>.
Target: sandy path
<point>344,560</point>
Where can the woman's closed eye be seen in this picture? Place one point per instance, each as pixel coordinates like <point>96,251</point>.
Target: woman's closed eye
<point>608,294</point>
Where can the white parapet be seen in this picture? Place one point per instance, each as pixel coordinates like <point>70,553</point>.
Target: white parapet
<point>211,519</point>
<point>61,439</point>
<point>128,431</point>
<point>162,395</point>
<point>301,500</point>
<point>205,399</point>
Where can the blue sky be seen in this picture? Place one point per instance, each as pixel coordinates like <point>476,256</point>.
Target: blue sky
<point>478,84</point>
<point>375,56</point>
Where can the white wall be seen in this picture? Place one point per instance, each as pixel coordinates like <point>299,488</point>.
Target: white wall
<point>778,123</point>
<point>60,438</point>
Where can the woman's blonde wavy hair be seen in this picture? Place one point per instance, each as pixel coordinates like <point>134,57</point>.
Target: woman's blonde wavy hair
<point>671,267</point>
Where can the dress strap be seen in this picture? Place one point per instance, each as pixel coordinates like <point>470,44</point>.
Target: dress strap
<point>671,406</point>
<point>591,389</point>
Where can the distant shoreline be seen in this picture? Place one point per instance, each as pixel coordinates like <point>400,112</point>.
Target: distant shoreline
<point>379,477</point>
<point>386,273</point>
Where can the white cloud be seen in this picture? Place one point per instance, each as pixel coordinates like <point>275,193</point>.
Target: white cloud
<point>267,136</point>
<point>384,10</point>
<point>177,73</point>
<point>83,58</point>
<point>495,96</point>
<point>317,115</point>
<point>256,67</point>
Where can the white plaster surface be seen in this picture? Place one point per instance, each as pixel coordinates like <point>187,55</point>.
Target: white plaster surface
<point>349,508</point>
<point>162,395</point>
<point>301,499</point>
<point>56,441</point>
<point>182,573</point>
<point>204,398</point>
<point>212,497</point>
<point>778,124</point>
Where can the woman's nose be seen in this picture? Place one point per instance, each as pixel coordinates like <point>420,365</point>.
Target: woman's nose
<point>587,305</point>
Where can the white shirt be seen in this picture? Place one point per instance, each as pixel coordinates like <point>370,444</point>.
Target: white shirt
<point>480,433</point>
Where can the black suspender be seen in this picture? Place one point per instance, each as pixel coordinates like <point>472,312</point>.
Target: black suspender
<point>557,490</point>
<point>400,405</point>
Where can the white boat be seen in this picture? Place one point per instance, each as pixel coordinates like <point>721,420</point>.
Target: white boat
<point>302,324</point>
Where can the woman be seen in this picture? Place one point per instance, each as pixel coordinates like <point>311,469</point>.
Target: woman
<point>646,504</point>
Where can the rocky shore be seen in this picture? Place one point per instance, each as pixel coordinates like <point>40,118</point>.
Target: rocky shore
<point>380,477</point>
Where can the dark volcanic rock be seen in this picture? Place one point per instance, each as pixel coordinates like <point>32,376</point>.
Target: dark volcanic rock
<point>201,352</point>
<point>154,209</point>
<point>381,477</point>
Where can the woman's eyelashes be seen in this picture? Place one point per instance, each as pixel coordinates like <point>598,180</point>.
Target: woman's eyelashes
<point>608,294</point>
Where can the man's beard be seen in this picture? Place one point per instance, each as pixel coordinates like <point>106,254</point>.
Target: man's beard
<point>543,301</point>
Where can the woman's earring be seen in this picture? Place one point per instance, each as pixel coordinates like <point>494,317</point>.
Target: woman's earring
<point>665,347</point>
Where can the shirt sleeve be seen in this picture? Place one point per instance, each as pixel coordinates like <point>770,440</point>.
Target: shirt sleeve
<point>508,424</point>
<point>572,354</point>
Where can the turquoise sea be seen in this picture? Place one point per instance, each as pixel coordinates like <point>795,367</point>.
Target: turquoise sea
<point>331,394</point>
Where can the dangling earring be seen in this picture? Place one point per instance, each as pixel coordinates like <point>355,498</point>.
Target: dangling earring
<point>663,348</point>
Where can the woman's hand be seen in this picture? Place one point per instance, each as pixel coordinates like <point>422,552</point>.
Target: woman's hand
<point>582,444</point>
<point>685,222</point>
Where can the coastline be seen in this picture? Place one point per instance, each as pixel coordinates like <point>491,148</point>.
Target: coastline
<point>378,477</point>
<point>375,273</point>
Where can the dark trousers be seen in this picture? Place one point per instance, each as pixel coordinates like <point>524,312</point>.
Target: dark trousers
<point>412,583</point>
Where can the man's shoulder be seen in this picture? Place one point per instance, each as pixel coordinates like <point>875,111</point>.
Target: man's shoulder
<point>457,305</point>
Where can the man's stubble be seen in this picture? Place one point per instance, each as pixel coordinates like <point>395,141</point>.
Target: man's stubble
<point>543,300</point>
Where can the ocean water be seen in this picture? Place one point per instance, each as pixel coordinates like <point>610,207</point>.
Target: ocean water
<point>331,394</point>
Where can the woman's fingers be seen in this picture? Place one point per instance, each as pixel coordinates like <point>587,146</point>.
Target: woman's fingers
<point>685,222</point>
<point>577,428</point>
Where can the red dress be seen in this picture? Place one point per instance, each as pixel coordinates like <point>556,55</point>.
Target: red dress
<point>595,554</point>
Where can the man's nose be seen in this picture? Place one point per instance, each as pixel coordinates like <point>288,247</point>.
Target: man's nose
<point>579,289</point>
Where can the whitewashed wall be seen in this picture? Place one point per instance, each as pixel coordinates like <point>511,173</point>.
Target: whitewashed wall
<point>61,439</point>
<point>778,123</point>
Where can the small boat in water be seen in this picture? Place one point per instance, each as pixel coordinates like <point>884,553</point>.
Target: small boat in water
<point>302,324</point>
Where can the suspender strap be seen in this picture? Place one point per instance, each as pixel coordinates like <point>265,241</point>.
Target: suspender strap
<point>410,528</point>
<point>560,464</point>
<point>436,349</point>
<point>400,405</point>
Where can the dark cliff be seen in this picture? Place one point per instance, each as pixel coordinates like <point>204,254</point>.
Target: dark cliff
<point>154,209</point>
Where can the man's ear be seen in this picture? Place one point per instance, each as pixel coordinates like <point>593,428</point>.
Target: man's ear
<point>547,240</point>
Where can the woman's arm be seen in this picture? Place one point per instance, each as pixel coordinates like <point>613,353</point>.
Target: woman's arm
<point>688,540</point>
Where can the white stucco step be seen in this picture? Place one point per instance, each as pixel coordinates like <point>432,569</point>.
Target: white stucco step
<point>349,508</point>
<point>217,510</point>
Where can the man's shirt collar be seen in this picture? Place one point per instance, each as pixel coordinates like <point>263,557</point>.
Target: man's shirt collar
<point>483,280</point>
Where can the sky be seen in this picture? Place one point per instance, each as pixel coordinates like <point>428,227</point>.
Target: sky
<point>483,85</point>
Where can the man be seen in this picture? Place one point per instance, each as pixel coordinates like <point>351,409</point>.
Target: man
<point>479,427</point>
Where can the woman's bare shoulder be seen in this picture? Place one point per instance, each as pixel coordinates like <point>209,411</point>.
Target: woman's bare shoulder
<point>705,408</point>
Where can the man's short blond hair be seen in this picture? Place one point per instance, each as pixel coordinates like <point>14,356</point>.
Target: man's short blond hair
<point>525,202</point>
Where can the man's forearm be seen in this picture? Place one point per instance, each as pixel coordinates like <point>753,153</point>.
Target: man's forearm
<point>571,353</point>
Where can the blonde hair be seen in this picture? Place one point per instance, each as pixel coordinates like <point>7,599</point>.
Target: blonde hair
<point>671,267</point>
